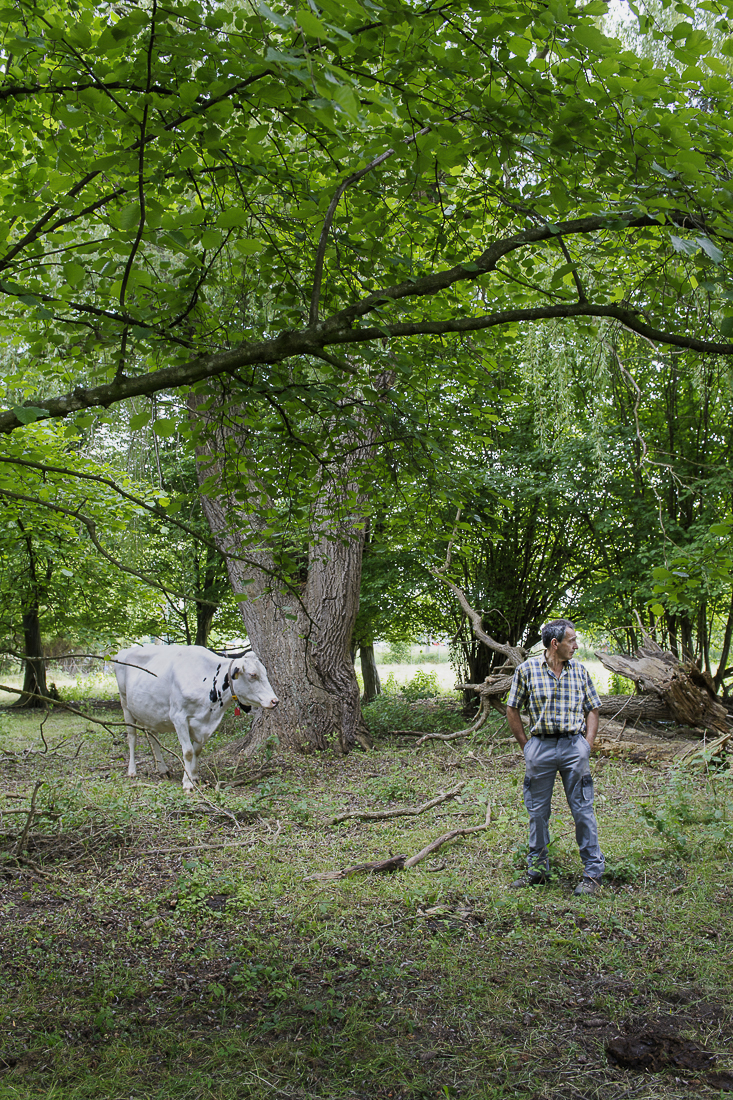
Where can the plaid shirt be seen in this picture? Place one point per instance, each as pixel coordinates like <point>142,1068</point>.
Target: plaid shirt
<point>554,705</point>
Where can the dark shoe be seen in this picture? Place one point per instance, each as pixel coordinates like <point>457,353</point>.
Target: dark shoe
<point>528,880</point>
<point>588,886</point>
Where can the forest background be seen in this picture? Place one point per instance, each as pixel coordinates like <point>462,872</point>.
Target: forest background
<point>294,298</point>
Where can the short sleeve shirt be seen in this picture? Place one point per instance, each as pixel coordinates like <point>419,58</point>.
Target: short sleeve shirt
<point>554,704</point>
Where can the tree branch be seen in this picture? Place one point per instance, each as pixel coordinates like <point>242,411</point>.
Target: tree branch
<point>339,330</point>
<point>410,811</point>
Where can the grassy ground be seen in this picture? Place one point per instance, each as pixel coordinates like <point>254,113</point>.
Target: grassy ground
<point>166,946</point>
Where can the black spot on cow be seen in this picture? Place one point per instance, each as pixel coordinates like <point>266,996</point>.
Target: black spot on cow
<point>225,683</point>
<point>212,695</point>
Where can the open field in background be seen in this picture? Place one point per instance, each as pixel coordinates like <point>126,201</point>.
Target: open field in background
<point>156,945</point>
<point>72,688</point>
<point>446,676</point>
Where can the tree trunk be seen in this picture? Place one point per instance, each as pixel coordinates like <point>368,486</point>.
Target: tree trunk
<point>370,675</point>
<point>209,582</point>
<point>34,670</point>
<point>725,650</point>
<point>302,634</point>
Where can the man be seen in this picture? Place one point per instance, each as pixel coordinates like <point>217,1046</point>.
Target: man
<point>563,707</point>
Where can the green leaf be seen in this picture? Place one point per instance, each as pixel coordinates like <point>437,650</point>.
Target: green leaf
<point>73,273</point>
<point>285,22</point>
<point>28,414</point>
<point>232,217</point>
<point>127,218</point>
<point>250,247</point>
<point>139,420</point>
<point>165,427</point>
<point>688,248</point>
<point>345,98</point>
<point>311,25</point>
<point>712,250</point>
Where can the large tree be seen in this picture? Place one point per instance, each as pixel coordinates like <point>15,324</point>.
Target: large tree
<point>293,199</point>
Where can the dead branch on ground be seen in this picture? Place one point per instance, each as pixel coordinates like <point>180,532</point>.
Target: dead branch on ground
<point>380,815</point>
<point>23,839</point>
<point>400,863</point>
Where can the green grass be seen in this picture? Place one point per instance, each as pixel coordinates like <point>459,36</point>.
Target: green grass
<point>158,945</point>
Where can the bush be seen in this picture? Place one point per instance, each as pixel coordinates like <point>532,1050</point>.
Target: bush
<point>423,685</point>
<point>399,653</point>
<point>394,709</point>
<point>619,685</point>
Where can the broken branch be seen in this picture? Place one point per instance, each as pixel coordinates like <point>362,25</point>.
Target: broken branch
<point>23,839</point>
<point>399,863</point>
<point>379,815</point>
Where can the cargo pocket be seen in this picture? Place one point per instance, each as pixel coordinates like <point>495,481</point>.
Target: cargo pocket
<point>586,788</point>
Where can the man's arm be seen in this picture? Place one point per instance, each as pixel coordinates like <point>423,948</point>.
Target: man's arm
<point>591,725</point>
<point>516,726</point>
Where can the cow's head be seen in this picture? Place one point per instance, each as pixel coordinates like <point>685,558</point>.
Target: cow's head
<point>250,683</point>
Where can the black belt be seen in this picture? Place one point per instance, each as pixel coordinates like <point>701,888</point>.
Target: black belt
<point>554,736</point>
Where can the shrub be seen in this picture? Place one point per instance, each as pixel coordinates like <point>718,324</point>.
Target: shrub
<point>399,653</point>
<point>423,685</point>
<point>619,685</point>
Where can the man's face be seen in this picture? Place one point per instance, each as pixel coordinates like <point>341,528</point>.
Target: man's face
<point>568,646</point>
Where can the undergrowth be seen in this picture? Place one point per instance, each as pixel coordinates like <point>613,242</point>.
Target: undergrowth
<point>162,946</point>
<point>396,708</point>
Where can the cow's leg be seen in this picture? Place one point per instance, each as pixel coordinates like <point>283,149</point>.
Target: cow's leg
<point>189,749</point>
<point>158,754</point>
<point>131,742</point>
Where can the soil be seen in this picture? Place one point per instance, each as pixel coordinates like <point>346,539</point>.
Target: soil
<point>655,1048</point>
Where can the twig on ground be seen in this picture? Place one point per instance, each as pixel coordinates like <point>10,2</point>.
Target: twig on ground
<point>399,863</point>
<point>379,866</point>
<point>436,844</point>
<point>218,810</point>
<point>379,815</point>
<point>23,839</point>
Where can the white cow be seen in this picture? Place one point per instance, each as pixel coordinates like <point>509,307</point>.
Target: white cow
<point>187,689</point>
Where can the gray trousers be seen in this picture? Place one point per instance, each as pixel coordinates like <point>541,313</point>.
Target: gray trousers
<point>570,756</point>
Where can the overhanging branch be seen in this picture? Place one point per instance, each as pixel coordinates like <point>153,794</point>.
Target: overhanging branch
<point>339,330</point>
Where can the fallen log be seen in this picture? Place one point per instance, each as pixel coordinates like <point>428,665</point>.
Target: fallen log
<point>681,687</point>
<point>629,708</point>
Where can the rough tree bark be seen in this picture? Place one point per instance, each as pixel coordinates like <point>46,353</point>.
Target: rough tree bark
<point>34,666</point>
<point>206,609</point>
<point>303,638</point>
<point>369,672</point>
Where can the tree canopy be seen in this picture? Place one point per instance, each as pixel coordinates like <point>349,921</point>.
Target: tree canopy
<point>190,191</point>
